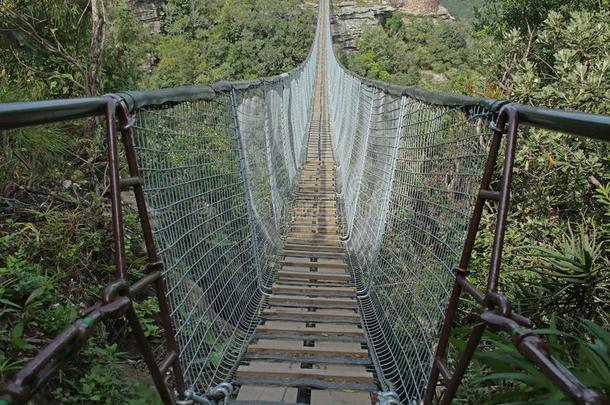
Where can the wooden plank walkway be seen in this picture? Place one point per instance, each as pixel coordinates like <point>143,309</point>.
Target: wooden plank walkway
<point>310,347</point>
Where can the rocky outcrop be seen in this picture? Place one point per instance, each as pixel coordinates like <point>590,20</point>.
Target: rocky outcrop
<point>150,12</point>
<point>420,7</point>
<point>424,8</point>
<point>352,17</point>
<point>351,20</point>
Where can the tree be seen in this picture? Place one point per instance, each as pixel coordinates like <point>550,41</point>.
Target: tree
<point>500,16</point>
<point>41,27</point>
<point>213,40</point>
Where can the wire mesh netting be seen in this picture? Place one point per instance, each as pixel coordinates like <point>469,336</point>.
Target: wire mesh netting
<point>409,172</point>
<point>220,166</point>
<point>219,176</point>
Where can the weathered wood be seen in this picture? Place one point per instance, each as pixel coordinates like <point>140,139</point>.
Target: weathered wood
<point>317,247</point>
<point>318,265</point>
<point>268,393</point>
<point>314,237</point>
<point>316,329</point>
<point>316,301</point>
<point>327,397</point>
<point>314,291</point>
<point>315,229</point>
<point>277,370</point>
<point>297,347</point>
<point>312,254</point>
<point>322,314</point>
<point>302,275</point>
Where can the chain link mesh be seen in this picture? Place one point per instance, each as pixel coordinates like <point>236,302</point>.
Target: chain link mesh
<point>409,172</point>
<point>219,176</point>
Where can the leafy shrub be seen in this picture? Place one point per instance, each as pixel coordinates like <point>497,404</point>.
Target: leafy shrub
<point>587,355</point>
<point>411,51</point>
<point>105,382</point>
<point>213,40</point>
<point>570,279</point>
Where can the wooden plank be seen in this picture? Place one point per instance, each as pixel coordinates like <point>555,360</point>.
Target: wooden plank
<point>267,393</point>
<point>289,246</point>
<point>335,314</point>
<point>315,243</point>
<point>311,254</point>
<point>314,229</point>
<point>323,216</point>
<point>317,265</point>
<point>317,196</point>
<point>302,275</point>
<point>297,348</point>
<point>307,283</point>
<point>317,178</point>
<point>315,223</point>
<point>310,209</point>
<point>314,212</point>
<point>306,268</point>
<point>315,291</point>
<point>324,329</point>
<point>310,202</point>
<point>313,202</point>
<point>326,184</point>
<point>306,231</point>
<point>318,168</point>
<point>316,301</point>
<point>275,370</point>
<point>335,397</point>
<point>314,237</point>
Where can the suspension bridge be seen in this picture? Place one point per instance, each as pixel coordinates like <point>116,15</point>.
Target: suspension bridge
<point>308,235</point>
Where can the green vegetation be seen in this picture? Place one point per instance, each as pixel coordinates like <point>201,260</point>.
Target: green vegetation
<point>464,9</point>
<point>499,16</point>
<point>518,381</point>
<point>55,239</point>
<point>411,51</point>
<point>556,266</point>
<point>213,40</point>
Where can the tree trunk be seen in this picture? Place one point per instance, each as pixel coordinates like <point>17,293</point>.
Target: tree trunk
<point>98,37</point>
<point>93,73</point>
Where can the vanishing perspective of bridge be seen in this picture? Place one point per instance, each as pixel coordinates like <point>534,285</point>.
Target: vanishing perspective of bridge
<point>308,235</point>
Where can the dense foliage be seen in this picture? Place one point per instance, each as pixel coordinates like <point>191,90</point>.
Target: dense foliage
<point>55,238</point>
<point>213,40</point>
<point>463,9</point>
<point>412,51</point>
<point>556,265</point>
<point>499,16</point>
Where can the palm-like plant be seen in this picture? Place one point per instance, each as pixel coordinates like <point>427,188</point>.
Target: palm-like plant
<point>571,278</point>
<point>587,356</point>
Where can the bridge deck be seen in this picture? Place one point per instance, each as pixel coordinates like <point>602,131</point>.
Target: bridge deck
<point>309,347</point>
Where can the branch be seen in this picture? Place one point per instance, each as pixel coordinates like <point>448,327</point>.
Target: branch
<point>28,29</point>
<point>98,37</point>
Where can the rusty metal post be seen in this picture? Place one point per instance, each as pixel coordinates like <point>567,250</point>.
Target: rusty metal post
<point>154,265</point>
<point>462,269</point>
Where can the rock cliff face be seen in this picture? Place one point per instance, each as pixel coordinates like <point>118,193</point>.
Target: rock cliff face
<point>150,12</point>
<point>352,17</point>
<point>420,7</point>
